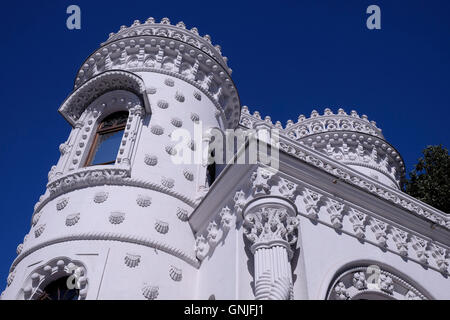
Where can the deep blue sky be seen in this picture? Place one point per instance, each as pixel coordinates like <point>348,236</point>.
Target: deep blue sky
<point>288,57</point>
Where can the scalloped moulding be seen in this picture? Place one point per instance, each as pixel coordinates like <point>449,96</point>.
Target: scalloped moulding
<point>150,160</point>
<point>161,226</point>
<point>100,197</point>
<point>116,217</point>
<point>163,104</point>
<point>72,219</point>
<point>188,175</point>
<point>182,214</point>
<point>171,150</point>
<point>176,122</point>
<point>36,218</point>
<point>195,117</point>
<point>157,130</point>
<point>175,273</point>
<point>192,145</point>
<point>179,96</point>
<point>197,95</point>
<point>168,182</point>
<point>132,260</point>
<point>150,292</point>
<point>19,248</point>
<point>62,203</point>
<point>39,230</point>
<point>10,278</point>
<point>143,201</point>
<point>169,82</point>
<point>151,90</point>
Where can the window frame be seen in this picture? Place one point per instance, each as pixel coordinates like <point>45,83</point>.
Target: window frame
<point>103,131</point>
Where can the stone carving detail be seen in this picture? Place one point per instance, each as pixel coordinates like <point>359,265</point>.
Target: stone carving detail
<point>182,214</point>
<point>201,247</point>
<point>151,160</point>
<point>161,226</point>
<point>176,122</point>
<point>169,82</point>
<point>62,203</point>
<point>170,149</point>
<point>341,291</point>
<point>163,104</point>
<point>380,229</point>
<point>239,201</point>
<point>39,230</point>
<point>175,273</point>
<point>168,182</point>
<point>143,201</point>
<point>389,194</point>
<point>271,227</point>
<point>441,258</point>
<point>195,117</point>
<point>72,219</point>
<point>150,292</point>
<point>179,96</point>
<point>157,130</point>
<point>335,209</point>
<point>116,217</point>
<point>197,95</point>
<point>227,219</point>
<point>358,219</point>
<point>360,281</point>
<point>188,175</point>
<point>421,248</point>
<point>10,278</point>
<point>270,224</point>
<point>36,218</point>
<point>260,180</point>
<point>311,200</point>
<point>214,234</point>
<point>132,260</point>
<point>19,248</point>
<point>401,240</point>
<point>288,189</point>
<point>386,283</point>
<point>100,197</point>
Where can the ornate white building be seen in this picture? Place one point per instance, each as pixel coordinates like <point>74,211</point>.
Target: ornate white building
<point>120,220</point>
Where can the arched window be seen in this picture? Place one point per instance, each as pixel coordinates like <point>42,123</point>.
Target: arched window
<point>58,290</point>
<point>107,139</point>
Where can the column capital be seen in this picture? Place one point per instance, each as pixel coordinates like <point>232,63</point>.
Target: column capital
<point>271,221</point>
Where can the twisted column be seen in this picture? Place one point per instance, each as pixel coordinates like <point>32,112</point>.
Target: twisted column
<point>270,223</point>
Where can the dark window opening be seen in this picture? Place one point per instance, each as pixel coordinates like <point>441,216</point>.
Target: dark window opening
<point>58,290</point>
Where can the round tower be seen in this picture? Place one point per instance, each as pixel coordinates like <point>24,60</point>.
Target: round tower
<point>353,140</point>
<point>113,221</point>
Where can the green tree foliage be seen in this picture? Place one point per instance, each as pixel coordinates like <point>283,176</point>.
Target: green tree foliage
<point>430,179</point>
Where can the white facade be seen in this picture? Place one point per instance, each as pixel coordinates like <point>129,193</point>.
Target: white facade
<point>330,223</point>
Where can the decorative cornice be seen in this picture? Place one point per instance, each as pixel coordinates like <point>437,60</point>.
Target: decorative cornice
<point>370,185</point>
<point>95,176</point>
<point>177,32</point>
<point>331,211</point>
<point>171,57</point>
<point>110,80</point>
<point>110,236</point>
<point>346,138</point>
